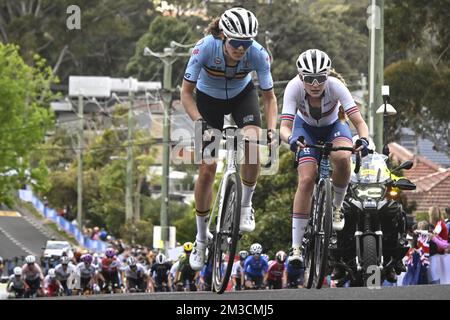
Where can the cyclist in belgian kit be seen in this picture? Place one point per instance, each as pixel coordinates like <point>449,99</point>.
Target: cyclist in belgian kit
<point>219,69</point>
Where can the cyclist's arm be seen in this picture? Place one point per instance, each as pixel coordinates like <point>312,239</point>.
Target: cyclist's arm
<point>289,109</point>
<point>351,110</point>
<point>360,124</point>
<point>270,108</point>
<point>187,100</point>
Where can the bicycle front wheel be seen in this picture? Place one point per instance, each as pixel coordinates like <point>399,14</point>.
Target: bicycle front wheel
<point>323,227</point>
<point>226,239</point>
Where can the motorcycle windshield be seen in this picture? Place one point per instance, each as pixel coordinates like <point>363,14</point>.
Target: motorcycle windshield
<point>373,169</point>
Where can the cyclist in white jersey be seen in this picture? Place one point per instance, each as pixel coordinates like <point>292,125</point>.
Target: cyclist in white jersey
<point>219,69</point>
<point>237,273</point>
<point>65,273</point>
<point>311,109</point>
<point>33,276</point>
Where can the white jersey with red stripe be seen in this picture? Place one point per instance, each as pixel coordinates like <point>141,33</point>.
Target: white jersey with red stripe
<point>335,94</point>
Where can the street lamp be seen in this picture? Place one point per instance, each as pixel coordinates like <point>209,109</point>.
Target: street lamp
<point>387,110</point>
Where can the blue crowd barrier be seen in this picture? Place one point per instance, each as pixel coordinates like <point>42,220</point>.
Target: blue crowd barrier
<point>49,213</point>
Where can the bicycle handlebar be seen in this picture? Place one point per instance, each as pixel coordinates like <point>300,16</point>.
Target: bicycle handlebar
<point>327,147</point>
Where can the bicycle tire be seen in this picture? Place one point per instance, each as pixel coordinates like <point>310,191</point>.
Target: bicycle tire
<point>308,257</point>
<point>324,227</point>
<point>308,248</point>
<point>226,240</point>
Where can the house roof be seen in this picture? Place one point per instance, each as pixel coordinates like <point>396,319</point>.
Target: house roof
<point>432,180</point>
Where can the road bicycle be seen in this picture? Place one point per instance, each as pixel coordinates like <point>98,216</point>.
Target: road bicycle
<point>226,213</point>
<point>319,229</point>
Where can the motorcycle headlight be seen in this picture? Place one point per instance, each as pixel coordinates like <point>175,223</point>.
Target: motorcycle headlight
<point>373,192</point>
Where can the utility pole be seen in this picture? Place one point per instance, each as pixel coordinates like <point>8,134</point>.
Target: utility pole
<point>80,162</point>
<point>130,162</point>
<point>168,57</point>
<point>363,100</point>
<point>376,30</point>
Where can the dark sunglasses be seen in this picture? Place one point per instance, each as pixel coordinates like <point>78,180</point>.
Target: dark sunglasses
<point>319,78</point>
<point>236,43</point>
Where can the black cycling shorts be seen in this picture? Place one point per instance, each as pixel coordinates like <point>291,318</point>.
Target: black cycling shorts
<point>244,108</point>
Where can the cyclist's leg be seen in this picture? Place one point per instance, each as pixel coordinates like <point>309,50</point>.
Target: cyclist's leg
<point>247,116</point>
<point>341,136</point>
<point>307,171</point>
<point>212,111</point>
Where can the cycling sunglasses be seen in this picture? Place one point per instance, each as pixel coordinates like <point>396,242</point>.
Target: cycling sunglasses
<point>319,78</point>
<point>236,43</point>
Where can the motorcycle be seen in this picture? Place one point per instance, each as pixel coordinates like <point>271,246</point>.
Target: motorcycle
<point>373,240</point>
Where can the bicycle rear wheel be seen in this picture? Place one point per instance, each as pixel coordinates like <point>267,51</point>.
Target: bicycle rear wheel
<point>226,239</point>
<point>323,228</point>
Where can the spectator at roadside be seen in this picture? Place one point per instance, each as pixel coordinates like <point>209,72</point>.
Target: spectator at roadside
<point>447,220</point>
<point>438,244</point>
<point>417,260</point>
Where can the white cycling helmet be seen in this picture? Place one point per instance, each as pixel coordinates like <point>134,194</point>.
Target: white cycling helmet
<point>51,273</point>
<point>65,260</point>
<point>313,61</point>
<point>238,23</point>
<point>30,259</point>
<point>17,271</point>
<point>161,258</point>
<point>256,248</point>
<point>131,261</point>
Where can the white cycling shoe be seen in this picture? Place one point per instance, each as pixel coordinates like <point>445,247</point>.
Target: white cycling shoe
<point>247,223</point>
<point>198,254</point>
<point>295,256</point>
<point>338,219</point>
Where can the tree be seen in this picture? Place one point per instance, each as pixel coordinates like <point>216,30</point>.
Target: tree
<point>24,92</point>
<point>103,45</point>
<point>420,94</point>
<point>418,58</point>
<point>161,32</point>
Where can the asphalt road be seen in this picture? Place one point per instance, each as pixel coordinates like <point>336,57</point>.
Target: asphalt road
<point>428,292</point>
<point>19,237</point>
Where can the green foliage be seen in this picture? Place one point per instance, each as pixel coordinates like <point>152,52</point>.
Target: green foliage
<point>139,233</point>
<point>272,202</point>
<point>109,29</point>
<point>162,30</point>
<point>24,91</point>
<point>418,58</point>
